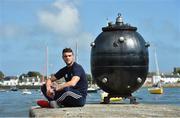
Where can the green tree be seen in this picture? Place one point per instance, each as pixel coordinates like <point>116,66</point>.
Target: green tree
<point>1,75</point>
<point>22,76</point>
<point>176,70</point>
<point>151,73</point>
<point>90,79</point>
<point>88,76</point>
<point>34,74</point>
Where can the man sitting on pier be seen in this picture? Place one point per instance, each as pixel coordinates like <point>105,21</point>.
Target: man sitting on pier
<point>73,92</point>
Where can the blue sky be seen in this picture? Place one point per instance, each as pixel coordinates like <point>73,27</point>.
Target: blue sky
<point>28,26</point>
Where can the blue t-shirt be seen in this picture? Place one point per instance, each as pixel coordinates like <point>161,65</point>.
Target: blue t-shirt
<point>74,70</point>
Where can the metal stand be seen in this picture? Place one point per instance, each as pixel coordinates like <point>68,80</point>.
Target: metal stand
<point>132,100</point>
<point>130,97</point>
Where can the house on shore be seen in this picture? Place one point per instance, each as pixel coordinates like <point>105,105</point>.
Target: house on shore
<point>9,81</point>
<point>165,79</point>
<point>25,81</point>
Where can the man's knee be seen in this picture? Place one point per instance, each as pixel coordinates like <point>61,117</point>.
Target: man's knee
<point>43,87</point>
<point>66,89</point>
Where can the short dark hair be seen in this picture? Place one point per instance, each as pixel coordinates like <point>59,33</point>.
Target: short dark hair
<point>67,50</point>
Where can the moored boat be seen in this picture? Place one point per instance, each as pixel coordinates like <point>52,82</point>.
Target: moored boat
<point>26,91</point>
<point>156,90</point>
<point>91,90</point>
<point>13,88</point>
<point>157,87</point>
<point>2,90</point>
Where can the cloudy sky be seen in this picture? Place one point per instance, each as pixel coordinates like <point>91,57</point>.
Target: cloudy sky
<point>27,27</point>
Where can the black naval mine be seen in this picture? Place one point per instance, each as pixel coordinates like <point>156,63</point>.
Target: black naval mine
<point>119,60</point>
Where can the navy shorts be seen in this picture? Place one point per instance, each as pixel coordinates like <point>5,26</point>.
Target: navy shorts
<point>68,97</point>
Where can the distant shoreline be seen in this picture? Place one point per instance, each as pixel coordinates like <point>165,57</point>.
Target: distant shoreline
<point>20,87</point>
<point>170,85</point>
<point>174,85</point>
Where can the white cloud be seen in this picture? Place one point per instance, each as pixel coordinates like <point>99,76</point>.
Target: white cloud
<point>65,21</point>
<point>9,31</point>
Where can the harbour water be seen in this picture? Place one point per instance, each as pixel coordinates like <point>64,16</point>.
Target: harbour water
<point>16,104</point>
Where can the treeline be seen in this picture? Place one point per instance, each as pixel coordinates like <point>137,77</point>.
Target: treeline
<point>1,75</point>
<point>29,74</point>
<point>38,74</point>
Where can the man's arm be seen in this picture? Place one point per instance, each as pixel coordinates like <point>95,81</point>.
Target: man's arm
<point>49,84</point>
<point>49,81</point>
<point>71,83</point>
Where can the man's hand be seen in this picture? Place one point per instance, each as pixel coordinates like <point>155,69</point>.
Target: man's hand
<point>73,82</point>
<point>59,87</point>
<point>49,85</point>
<point>56,86</point>
<point>50,92</point>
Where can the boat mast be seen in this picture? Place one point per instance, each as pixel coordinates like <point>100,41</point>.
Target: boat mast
<point>47,62</point>
<point>157,77</point>
<point>76,54</point>
<point>156,62</point>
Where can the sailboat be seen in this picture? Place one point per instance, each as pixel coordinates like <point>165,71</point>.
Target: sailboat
<point>92,90</point>
<point>156,87</point>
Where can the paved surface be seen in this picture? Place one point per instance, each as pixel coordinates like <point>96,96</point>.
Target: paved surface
<point>109,110</point>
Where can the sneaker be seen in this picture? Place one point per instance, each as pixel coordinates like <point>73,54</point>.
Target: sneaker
<point>60,105</point>
<point>53,104</point>
<point>43,103</point>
